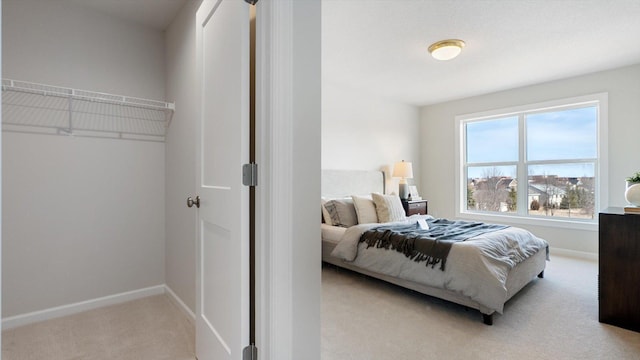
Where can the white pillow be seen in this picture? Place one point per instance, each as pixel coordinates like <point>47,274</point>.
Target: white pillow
<point>389,208</point>
<point>365,209</point>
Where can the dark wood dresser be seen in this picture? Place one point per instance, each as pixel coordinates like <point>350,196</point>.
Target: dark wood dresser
<point>619,269</point>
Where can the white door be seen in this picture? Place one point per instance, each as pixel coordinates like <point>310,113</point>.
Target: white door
<point>222,295</point>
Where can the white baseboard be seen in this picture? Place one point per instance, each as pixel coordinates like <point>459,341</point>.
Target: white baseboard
<point>176,300</point>
<point>573,254</point>
<point>58,311</point>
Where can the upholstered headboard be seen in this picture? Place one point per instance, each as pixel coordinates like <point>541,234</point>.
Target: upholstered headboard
<point>344,183</point>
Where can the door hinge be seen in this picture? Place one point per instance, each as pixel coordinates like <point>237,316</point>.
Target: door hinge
<point>250,174</point>
<point>250,353</point>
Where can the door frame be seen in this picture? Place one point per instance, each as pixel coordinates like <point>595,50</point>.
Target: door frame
<point>0,176</point>
<point>288,245</point>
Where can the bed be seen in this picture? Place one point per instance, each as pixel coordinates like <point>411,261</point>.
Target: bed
<point>474,276</point>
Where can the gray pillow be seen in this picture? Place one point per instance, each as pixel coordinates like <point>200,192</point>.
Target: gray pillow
<point>342,212</point>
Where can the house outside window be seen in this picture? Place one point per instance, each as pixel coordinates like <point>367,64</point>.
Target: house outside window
<point>538,162</point>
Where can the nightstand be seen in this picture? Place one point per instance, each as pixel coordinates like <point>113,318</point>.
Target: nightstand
<point>412,207</point>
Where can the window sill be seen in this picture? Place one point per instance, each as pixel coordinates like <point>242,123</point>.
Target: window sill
<point>521,220</point>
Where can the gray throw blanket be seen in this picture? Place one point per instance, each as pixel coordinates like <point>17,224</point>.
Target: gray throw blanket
<point>431,245</point>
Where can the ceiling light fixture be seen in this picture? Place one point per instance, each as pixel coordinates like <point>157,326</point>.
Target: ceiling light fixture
<point>446,49</point>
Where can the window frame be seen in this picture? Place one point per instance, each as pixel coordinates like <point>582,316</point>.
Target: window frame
<point>600,100</point>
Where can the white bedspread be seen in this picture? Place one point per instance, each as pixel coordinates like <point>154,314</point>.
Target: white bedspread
<point>476,268</point>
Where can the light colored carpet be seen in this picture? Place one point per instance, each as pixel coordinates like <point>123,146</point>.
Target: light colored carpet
<point>552,318</point>
<point>151,328</point>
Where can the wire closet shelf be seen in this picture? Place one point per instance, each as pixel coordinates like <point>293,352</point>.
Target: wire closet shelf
<point>45,109</point>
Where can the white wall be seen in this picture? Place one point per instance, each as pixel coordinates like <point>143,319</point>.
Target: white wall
<point>365,132</point>
<point>83,218</point>
<point>180,156</point>
<point>58,43</point>
<point>437,137</point>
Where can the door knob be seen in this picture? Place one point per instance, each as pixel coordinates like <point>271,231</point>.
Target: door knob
<point>191,202</point>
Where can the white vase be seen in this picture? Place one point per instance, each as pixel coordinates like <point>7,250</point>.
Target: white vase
<point>632,195</point>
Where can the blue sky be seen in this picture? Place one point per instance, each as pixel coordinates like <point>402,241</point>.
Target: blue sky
<point>557,135</point>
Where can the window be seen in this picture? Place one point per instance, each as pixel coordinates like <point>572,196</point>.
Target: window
<point>538,162</point>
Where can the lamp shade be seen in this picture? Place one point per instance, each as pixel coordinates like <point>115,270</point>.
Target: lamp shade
<point>403,170</point>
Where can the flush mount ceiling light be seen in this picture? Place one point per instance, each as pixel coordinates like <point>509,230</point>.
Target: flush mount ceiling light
<point>446,49</point>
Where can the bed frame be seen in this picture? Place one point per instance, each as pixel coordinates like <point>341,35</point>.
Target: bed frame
<point>341,183</point>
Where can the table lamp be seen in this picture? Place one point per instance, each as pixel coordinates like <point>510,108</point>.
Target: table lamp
<point>404,171</point>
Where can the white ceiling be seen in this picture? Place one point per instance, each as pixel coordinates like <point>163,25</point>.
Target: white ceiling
<point>380,47</point>
<point>156,14</point>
